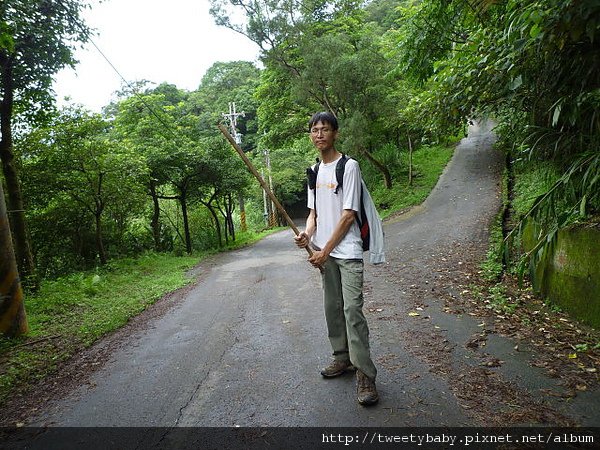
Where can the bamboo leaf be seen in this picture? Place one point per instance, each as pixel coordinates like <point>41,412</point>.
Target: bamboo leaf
<point>556,115</point>
<point>535,31</point>
<point>516,82</point>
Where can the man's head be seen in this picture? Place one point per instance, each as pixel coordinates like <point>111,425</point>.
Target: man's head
<point>326,118</point>
<point>323,128</point>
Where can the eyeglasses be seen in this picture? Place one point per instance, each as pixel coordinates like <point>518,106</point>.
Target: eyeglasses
<point>316,131</point>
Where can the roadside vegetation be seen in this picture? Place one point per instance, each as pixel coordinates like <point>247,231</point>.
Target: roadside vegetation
<point>428,163</point>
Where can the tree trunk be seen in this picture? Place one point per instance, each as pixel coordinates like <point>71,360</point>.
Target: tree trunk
<point>99,240</point>
<point>155,223</point>
<point>229,206</point>
<point>387,177</point>
<point>186,224</point>
<point>410,152</point>
<point>223,212</point>
<point>12,309</point>
<point>16,209</point>
<point>217,223</point>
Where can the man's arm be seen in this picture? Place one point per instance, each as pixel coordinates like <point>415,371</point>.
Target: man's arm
<point>303,239</point>
<point>319,257</point>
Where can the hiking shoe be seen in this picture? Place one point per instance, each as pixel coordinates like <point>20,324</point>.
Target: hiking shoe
<point>365,389</point>
<point>336,368</point>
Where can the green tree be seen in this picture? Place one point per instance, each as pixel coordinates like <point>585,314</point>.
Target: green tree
<point>80,168</point>
<point>223,84</point>
<point>318,55</point>
<point>141,121</point>
<point>224,176</point>
<point>179,159</point>
<point>37,39</point>
<point>176,134</point>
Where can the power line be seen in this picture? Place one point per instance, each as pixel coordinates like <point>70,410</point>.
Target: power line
<point>129,85</point>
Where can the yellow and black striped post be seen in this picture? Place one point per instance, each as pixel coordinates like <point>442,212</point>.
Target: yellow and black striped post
<point>13,321</point>
<point>243,225</point>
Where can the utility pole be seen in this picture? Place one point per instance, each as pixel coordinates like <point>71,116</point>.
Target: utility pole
<point>265,207</point>
<point>410,167</point>
<point>13,321</point>
<point>232,120</point>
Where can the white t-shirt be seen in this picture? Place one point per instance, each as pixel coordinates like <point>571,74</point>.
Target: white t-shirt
<point>330,206</point>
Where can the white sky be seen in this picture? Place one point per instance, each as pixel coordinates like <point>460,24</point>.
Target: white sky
<point>159,40</point>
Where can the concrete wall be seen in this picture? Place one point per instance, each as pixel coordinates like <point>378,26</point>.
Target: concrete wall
<point>569,273</point>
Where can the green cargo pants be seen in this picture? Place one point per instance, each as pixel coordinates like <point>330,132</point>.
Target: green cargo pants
<point>346,324</point>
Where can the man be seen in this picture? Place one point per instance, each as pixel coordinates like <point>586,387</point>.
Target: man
<point>332,231</point>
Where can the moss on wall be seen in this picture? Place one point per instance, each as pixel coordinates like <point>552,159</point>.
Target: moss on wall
<point>568,274</point>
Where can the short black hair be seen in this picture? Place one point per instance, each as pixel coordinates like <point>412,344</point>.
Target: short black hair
<point>323,117</point>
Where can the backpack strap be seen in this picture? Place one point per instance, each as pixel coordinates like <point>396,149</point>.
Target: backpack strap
<point>311,175</point>
<point>360,215</point>
<point>340,167</point>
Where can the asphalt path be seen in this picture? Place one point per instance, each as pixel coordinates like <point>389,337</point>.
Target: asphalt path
<point>244,349</point>
<point>245,345</point>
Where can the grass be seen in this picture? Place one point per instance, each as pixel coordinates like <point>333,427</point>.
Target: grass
<point>492,267</point>
<point>428,164</point>
<point>531,181</point>
<point>71,313</point>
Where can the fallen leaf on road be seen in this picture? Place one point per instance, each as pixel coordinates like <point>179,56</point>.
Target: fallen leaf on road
<point>413,314</point>
<point>494,362</point>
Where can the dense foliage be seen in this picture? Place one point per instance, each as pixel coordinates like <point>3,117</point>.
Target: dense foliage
<point>36,40</point>
<point>533,66</point>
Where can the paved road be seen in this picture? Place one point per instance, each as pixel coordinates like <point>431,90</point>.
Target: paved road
<point>244,349</point>
<point>245,346</point>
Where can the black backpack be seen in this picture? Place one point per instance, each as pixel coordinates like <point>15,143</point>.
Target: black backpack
<point>361,217</point>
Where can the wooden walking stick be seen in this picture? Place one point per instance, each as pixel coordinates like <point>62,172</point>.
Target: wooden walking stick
<point>264,185</point>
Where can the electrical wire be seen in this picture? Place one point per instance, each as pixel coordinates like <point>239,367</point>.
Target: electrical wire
<point>135,92</point>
